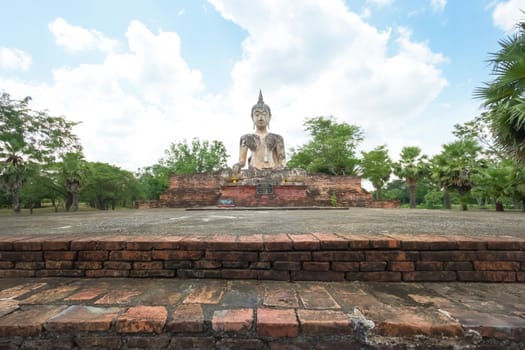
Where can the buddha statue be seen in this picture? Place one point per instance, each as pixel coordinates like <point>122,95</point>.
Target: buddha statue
<point>266,149</point>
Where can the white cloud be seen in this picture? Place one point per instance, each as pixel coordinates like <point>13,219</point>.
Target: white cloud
<point>380,2</point>
<point>14,59</point>
<point>508,13</point>
<point>439,5</point>
<point>76,39</point>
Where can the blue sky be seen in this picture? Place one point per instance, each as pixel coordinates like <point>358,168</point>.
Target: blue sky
<point>141,74</point>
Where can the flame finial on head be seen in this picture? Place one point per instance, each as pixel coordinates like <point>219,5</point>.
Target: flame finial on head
<point>260,104</point>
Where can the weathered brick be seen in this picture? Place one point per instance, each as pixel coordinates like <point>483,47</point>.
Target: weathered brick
<point>287,265</point>
<point>86,294</point>
<point>245,344</point>
<point>148,342</point>
<point>150,242</point>
<point>28,244</point>
<point>500,255</point>
<point>277,323</point>
<point>316,296</point>
<point>152,273</point>
<point>397,255</point>
<point>62,342</point>
<point>230,255</point>
<point>130,255</point>
<point>60,255</point>
<point>59,273</point>
<point>184,273</point>
<point>372,266</point>
<point>338,256</point>
<point>449,255</point>
<point>497,265</point>
<point>285,256</point>
<point>56,244</point>
<point>80,318</point>
<point>316,266</point>
<point>486,276</point>
<point>138,319</point>
<point>273,275</point>
<point>27,322</point>
<point>187,318</point>
<point>235,264</point>
<point>379,276</point>
<point>207,264</point>
<point>178,264</point>
<point>260,265</point>
<point>458,266</point>
<point>93,255</point>
<point>30,265</point>
<point>52,264</point>
<point>317,276</point>
<point>206,294</point>
<point>150,265</point>
<point>250,242</point>
<point>377,243</point>
<point>7,265</point>
<point>503,244</point>
<point>177,254</point>
<point>88,265</point>
<point>232,320</point>
<point>324,322</point>
<point>239,274</point>
<point>201,343</point>
<point>431,276</point>
<point>99,342</point>
<point>106,273</point>
<point>402,266</point>
<point>111,243</point>
<point>221,242</point>
<point>331,241</point>
<point>16,273</point>
<point>21,256</point>
<point>304,242</point>
<point>277,242</point>
<point>345,266</point>
<point>429,265</point>
<point>117,265</point>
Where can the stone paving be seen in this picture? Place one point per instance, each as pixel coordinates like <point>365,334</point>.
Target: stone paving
<point>215,314</point>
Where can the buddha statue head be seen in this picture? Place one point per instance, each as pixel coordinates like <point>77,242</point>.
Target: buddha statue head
<point>261,113</point>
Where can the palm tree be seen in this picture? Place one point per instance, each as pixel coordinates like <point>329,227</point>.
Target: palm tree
<point>376,166</point>
<point>504,97</point>
<point>412,167</point>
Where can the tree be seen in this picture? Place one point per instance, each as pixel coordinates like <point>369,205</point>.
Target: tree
<point>332,149</point>
<point>108,185</point>
<point>412,167</point>
<point>376,166</point>
<point>29,137</point>
<point>197,157</point>
<point>73,171</point>
<point>454,168</point>
<point>504,97</point>
<point>153,180</point>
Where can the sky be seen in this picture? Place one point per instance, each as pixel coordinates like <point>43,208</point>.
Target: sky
<point>139,75</point>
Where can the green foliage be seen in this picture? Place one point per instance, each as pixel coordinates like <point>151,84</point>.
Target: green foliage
<point>332,149</point>
<point>433,200</point>
<point>197,157</point>
<point>412,167</point>
<point>153,181</point>
<point>72,173</point>
<point>29,137</point>
<point>333,200</point>
<point>376,166</point>
<point>108,186</point>
<point>503,98</point>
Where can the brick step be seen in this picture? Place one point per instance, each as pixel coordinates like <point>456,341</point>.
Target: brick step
<point>286,257</point>
<point>114,313</point>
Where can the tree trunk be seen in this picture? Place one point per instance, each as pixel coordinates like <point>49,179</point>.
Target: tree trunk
<point>74,201</point>
<point>412,195</point>
<point>499,205</point>
<point>16,200</point>
<point>523,205</point>
<point>446,198</point>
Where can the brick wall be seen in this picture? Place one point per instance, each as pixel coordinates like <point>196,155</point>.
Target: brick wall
<point>327,257</point>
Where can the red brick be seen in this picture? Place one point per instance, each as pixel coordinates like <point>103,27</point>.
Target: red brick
<point>233,320</point>
<point>304,242</point>
<point>331,241</point>
<point>429,265</point>
<point>398,255</point>
<point>377,243</point>
<point>207,264</point>
<point>277,242</point>
<point>56,244</point>
<point>177,254</point>
<point>86,294</point>
<point>52,264</point>
<point>201,343</point>
<point>99,342</point>
<point>21,256</point>
<point>495,255</point>
<point>236,264</point>
<point>16,273</point>
<point>239,274</point>
<point>117,265</point>
<point>356,241</point>
<point>245,344</point>
<point>28,244</point>
<point>138,319</point>
<point>277,323</point>
<point>287,265</point>
<point>273,275</point>
<point>118,296</point>
<point>150,265</point>
<point>60,255</point>
<point>260,265</point>
<point>80,318</point>
<point>345,266</point>
<point>193,273</point>
<point>250,242</point>
<point>187,318</point>
<point>402,266</point>
<point>210,293</point>
<point>280,297</point>
<point>316,296</point>
<point>486,276</point>
<point>6,265</point>
<point>28,321</point>
<point>471,243</point>
<point>338,256</point>
<point>148,342</point>
<point>285,256</point>
<point>316,266</point>
<point>86,243</point>
<point>28,265</point>
<point>497,265</point>
<point>380,276</point>
<point>111,243</point>
<point>458,266</point>
<point>449,255</point>
<point>130,255</point>
<point>431,276</point>
<point>503,244</point>
<point>317,276</point>
<point>152,273</point>
<point>59,273</point>
<point>153,242</point>
<point>93,255</point>
<point>231,256</point>
<point>194,243</point>
<point>107,273</point>
<point>324,322</point>
<point>372,266</point>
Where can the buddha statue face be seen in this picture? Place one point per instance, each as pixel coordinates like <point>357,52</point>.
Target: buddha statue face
<point>261,117</point>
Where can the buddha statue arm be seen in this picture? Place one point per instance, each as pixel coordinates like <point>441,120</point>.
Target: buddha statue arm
<point>243,153</point>
<point>280,153</point>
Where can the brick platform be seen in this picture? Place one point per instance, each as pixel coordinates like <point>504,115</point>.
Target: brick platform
<point>286,257</point>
